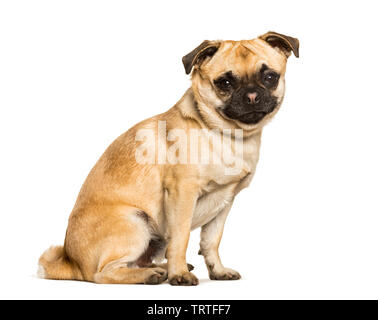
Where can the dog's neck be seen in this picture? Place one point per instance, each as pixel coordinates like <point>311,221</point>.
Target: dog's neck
<point>188,106</point>
<point>191,106</point>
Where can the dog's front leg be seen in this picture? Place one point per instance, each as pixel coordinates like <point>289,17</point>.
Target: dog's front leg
<point>211,235</point>
<point>179,206</point>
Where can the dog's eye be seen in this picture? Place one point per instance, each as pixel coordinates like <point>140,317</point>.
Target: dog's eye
<point>224,84</point>
<point>270,79</point>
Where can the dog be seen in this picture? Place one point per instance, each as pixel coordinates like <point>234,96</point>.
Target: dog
<point>136,208</point>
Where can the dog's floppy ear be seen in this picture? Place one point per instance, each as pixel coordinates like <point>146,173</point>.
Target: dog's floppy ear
<point>285,43</point>
<point>199,54</point>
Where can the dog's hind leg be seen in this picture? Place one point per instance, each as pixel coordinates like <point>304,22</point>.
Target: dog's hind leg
<point>127,250</point>
<point>118,272</point>
<point>165,266</point>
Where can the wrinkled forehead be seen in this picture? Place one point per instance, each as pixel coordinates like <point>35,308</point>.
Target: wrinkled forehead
<point>244,58</point>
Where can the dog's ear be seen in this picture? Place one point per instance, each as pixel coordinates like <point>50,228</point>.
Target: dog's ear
<point>285,43</point>
<point>199,54</point>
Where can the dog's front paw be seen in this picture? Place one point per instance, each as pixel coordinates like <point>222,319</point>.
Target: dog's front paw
<point>224,274</point>
<point>185,279</point>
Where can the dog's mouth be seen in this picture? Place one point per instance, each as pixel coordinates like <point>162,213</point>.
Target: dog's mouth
<point>238,108</point>
<point>254,112</point>
<point>250,117</point>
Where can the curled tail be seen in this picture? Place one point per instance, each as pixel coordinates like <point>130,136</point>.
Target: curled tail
<point>55,264</point>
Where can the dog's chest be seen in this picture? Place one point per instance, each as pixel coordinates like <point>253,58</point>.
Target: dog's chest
<point>211,203</point>
<point>220,183</point>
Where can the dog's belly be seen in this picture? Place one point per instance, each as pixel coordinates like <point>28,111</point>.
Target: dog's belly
<point>211,204</point>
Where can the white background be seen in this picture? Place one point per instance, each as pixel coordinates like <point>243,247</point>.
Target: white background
<point>76,74</point>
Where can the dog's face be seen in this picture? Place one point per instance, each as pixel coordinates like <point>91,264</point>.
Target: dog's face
<point>243,81</point>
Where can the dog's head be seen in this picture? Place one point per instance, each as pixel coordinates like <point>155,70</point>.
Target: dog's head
<point>241,81</point>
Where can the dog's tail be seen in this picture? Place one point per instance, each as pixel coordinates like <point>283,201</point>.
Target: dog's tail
<point>55,264</point>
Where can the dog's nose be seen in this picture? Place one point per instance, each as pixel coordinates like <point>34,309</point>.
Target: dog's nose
<point>252,98</point>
